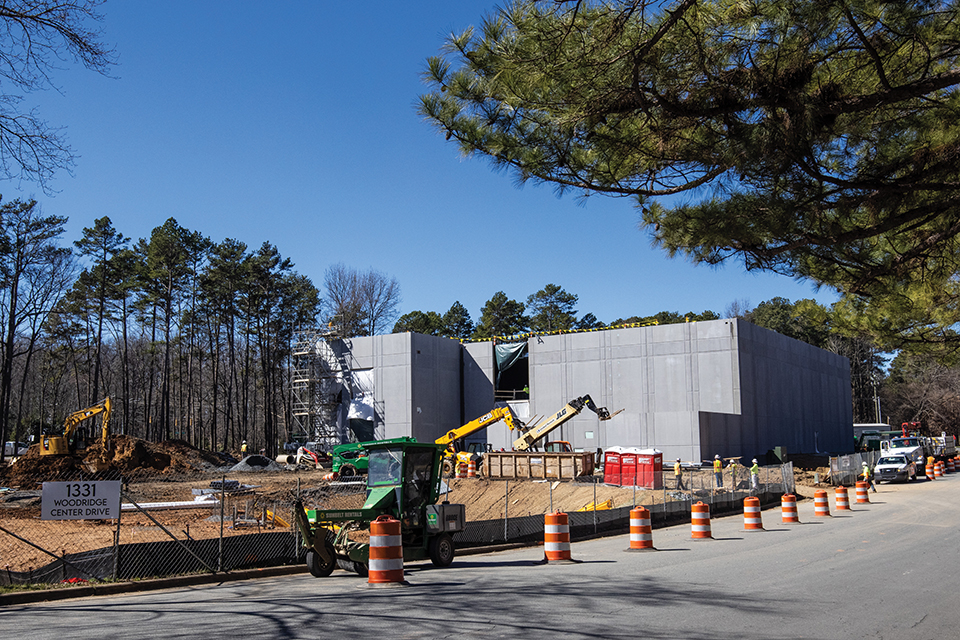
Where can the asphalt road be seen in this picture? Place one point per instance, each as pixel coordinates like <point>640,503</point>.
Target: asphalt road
<point>886,570</point>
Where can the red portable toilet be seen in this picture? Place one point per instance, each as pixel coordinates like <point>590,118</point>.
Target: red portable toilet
<point>649,468</point>
<point>628,467</point>
<point>611,466</point>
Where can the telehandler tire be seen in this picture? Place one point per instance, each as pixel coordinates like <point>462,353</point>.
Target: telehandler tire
<point>441,550</point>
<point>348,471</point>
<point>316,565</point>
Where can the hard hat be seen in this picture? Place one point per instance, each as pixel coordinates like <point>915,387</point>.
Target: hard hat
<point>716,457</point>
<point>678,459</point>
<point>754,461</point>
<point>244,442</point>
<point>865,464</point>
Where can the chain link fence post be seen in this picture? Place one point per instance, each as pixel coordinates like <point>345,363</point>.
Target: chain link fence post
<point>506,507</point>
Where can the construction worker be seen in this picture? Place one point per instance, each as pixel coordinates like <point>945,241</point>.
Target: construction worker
<point>678,474</point>
<point>733,474</point>
<point>867,476</point>
<point>755,476</point>
<point>243,448</point>
<point>718,471</point>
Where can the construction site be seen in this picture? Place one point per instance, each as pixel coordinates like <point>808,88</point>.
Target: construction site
<point>589,423</point>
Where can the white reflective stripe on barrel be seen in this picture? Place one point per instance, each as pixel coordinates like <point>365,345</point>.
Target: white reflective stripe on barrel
<point>386,564</point>
<point>386,541</point>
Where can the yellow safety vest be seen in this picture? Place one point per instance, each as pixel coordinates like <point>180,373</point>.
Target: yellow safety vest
<point>676,469</point>
<point>717,466</point>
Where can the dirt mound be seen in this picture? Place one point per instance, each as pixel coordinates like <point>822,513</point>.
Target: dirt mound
<point>132,454</point>
<point>128,456</point>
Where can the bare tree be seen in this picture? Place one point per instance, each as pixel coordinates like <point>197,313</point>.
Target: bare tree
<point>379,301</point>
<point>359,304</point>
<point>341,301</point>
<point>36,36</point>
<point>737,309</point>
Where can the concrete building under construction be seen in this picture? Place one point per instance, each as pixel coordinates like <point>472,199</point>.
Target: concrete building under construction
<point>691,390</point>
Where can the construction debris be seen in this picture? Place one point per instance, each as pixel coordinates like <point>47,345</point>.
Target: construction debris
<point>206,501</point>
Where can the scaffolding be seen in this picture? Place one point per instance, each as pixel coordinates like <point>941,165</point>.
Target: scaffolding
<point>321,378</point>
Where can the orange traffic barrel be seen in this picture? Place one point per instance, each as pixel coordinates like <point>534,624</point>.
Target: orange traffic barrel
<point>821,504</point>
<point>951,466</point>
<point>937,469</point>
<point>862,496</point>
<point>788,509</point>
<point>556,537</point>
<point>700,521</point>
<point>929,471</point>
<point>330,476</point>
<point>752,520</point>
<point>843,503</point>
<point>461,470</point>
<point>641,533</point>
<point>386,552</point>
<point>472,469</point>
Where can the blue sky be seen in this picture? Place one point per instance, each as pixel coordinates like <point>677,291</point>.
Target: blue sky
<point>295,123</point>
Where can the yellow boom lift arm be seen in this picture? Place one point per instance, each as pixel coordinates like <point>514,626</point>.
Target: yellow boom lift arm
<point>452,440</point>
<point>529,437</point>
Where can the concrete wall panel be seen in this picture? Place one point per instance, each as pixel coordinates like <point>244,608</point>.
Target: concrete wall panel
<point>435,375</point>
<point>478,375</point>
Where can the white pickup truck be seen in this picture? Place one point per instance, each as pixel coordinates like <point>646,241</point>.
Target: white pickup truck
<point>894,468</point>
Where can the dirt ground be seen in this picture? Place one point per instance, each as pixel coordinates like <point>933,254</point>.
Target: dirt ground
<point>172,470</point>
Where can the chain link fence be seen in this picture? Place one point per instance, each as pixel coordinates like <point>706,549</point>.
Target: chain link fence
<point>844,470</point>
<point>220,526</point>
<point>667,504</point>
<point>193,523</point>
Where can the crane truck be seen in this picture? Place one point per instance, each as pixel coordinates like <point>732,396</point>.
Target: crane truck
<point>73,440</point>
<point>403,481</point>
<point>452,441</point>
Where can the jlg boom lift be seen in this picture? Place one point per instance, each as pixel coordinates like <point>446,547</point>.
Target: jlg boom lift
<point>529,437</point>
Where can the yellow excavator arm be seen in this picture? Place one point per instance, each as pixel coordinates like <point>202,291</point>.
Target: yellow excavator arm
<point>60,445</point>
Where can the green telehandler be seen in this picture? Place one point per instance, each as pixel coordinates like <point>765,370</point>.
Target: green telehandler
<point>403,481</point>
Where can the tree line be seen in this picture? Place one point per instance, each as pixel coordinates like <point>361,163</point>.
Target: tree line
<point>549,309</point>
<point>189,337</point>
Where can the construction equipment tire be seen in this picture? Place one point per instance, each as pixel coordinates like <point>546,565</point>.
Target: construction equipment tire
<point>441,550</point>
<point>447,468</point>
<point>348,471</point>
<point>353,567</point>
<point>317,567</point>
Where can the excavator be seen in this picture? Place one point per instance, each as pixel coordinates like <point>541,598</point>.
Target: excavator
<point>72,441</point>
<point>453,440</point>
<point>535,432</point>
